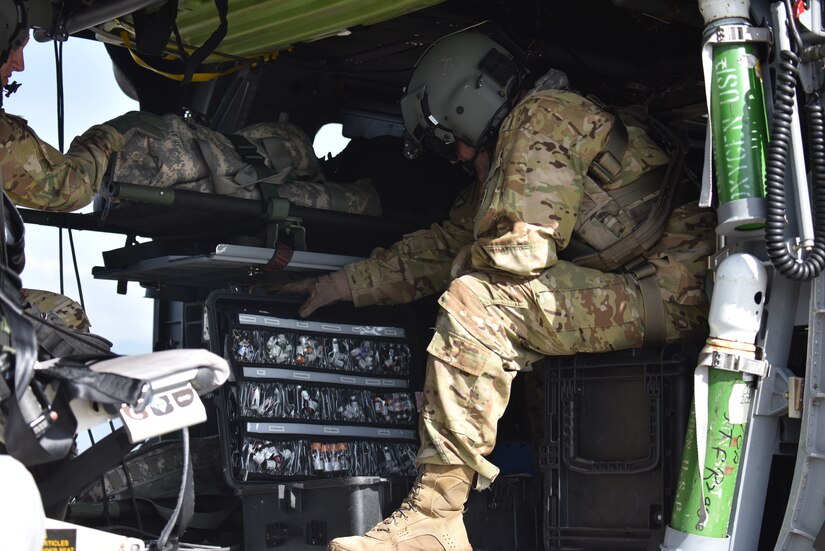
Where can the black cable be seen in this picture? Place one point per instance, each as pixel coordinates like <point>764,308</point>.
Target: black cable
<point>792,25</point>
<point>4,250</point>
<point>775,168</point>
<point>129,484</point>
<point>132,496</point>
<point>60,256</point>
<point>76,270</point>
<point>106,514</point>
<point>58,65</point>
<point>170,524</point>
<point>172,6</point>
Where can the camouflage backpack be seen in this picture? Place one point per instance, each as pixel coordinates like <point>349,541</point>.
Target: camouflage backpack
<point>645,203</point>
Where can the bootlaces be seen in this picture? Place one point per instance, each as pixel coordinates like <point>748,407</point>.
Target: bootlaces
<point>408,504</point>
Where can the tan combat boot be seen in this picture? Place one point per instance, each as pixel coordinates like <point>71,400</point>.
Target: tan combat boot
<point>429,519</point>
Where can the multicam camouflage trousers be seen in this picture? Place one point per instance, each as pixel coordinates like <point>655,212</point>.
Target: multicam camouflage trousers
<point>491,327</point>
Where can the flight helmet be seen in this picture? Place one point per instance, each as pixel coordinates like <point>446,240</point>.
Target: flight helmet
<point>461,89</point>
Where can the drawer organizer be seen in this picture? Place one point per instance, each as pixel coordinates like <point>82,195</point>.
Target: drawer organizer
<point>314,398</point>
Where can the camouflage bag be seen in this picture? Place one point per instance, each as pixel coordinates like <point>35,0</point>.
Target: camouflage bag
<point>277,155</point>
<point>151,475</point>
<point>63,328</point>
<point>154,471</point>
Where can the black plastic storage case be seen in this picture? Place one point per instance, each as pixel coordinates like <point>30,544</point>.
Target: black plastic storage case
<point>506,516</point>
<point>614,436</point>
<point>318,423</point>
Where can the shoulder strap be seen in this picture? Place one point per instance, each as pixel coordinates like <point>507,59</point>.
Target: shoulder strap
<point>663,181</point>
<point>606,165</point>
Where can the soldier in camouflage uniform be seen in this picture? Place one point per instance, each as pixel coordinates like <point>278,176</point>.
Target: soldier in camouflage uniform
<point>36,175</point>
<point>509,299</point>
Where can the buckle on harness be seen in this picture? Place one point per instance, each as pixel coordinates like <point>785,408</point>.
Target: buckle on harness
<point>246,150</point>
<point>642,269</point>
<point>605,167</point>
<point>654,317</point>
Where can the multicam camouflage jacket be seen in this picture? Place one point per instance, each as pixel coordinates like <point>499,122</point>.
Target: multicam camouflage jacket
<point>537,195</point>
<point>36,175</point>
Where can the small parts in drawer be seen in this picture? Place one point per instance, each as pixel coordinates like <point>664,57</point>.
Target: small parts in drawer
<point>302,458</point>
<point>386,358</point>
<point>395,407</point>
<point>309,403</point>
<point>330,458</point>
<point>338,356</point>
<point>279,400</point>
<point>352,354</point>
<point>278,349</point>
<point>308,351</point>
<point>281,459</point>
<point>395,358</point>
<point>244,345</point>
<point>352,408</point>
<point>365,357</point>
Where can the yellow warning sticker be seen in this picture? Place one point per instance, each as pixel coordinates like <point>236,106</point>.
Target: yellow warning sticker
<point>60,540</point>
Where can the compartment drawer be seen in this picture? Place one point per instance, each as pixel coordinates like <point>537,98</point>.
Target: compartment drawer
<point>325,397</point>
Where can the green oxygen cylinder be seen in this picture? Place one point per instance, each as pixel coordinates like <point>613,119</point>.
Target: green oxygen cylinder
<point>715,439</point>
<point>740,134</point>
<point>717,476</point>
<point>738,118</point>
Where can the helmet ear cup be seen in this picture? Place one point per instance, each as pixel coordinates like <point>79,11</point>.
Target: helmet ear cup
<point>15,30</point>
<point>460,89</point>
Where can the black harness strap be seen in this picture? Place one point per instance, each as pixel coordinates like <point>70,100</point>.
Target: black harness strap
<point>85,468</point>
<point>637,197</point>
<point>199,55</point>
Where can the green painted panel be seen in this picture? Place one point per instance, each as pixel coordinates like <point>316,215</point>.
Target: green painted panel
<point>262,26</point>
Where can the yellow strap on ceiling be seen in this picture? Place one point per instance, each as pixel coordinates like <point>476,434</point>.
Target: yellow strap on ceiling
<point>196,77</point>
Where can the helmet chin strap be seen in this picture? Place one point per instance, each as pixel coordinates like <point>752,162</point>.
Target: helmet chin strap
<point>468,166</point>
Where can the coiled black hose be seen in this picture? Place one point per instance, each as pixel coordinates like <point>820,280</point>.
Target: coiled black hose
<point>777,155</point>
